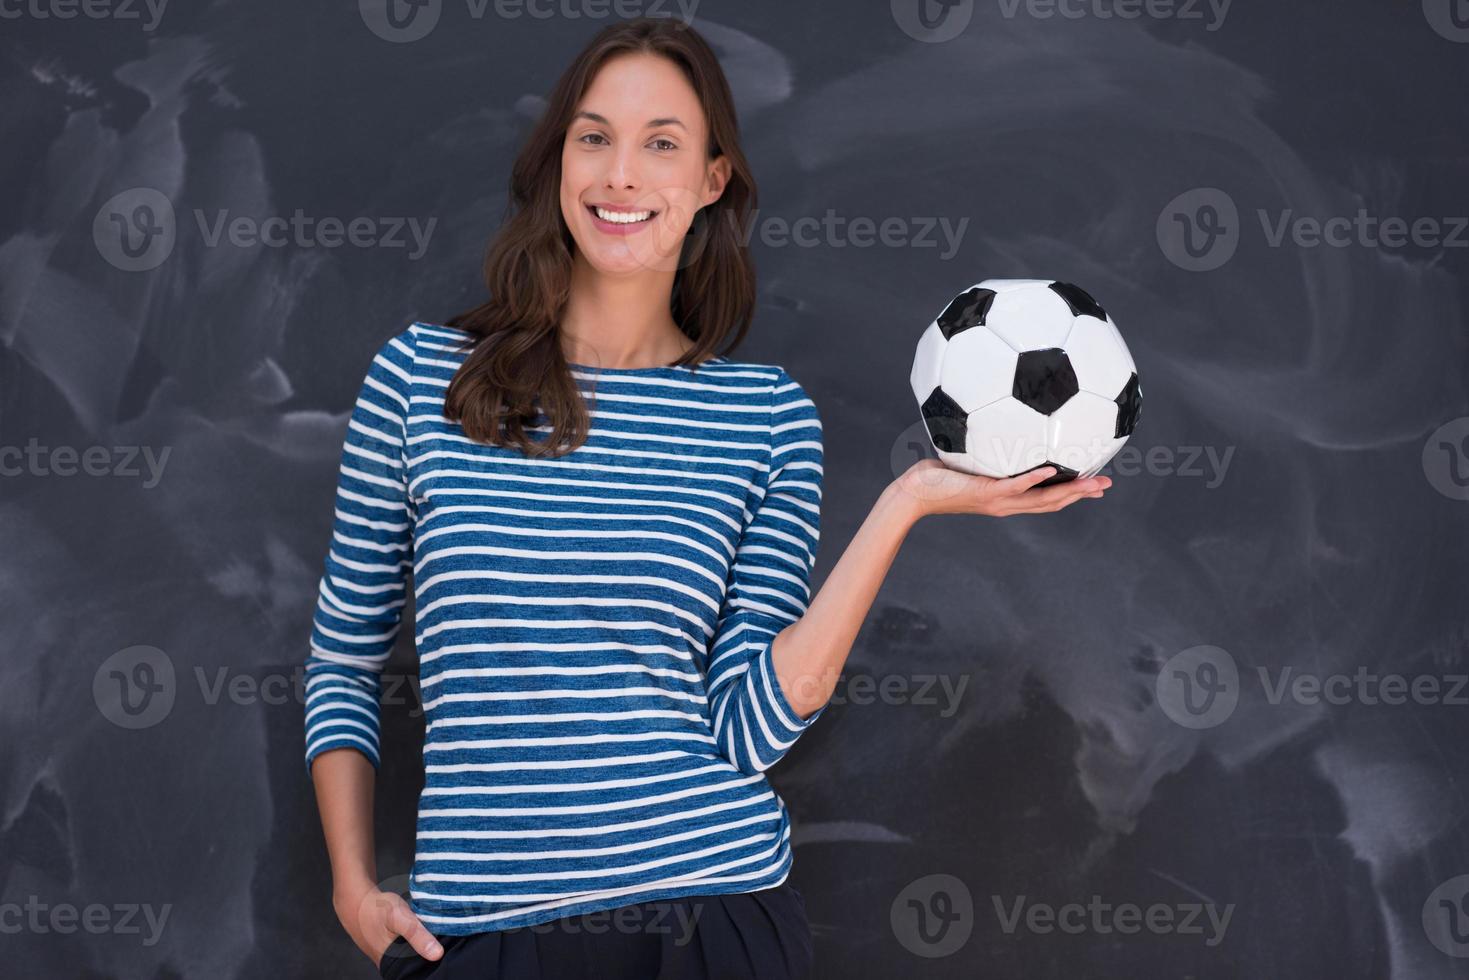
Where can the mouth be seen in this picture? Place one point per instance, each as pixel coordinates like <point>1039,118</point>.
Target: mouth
<point>619,220</point>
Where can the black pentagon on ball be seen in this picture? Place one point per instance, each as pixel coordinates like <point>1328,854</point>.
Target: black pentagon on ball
<point>1129,407</point>
<point>1063,474</point>
<point>1044,379</point>
<point>947,422</point>
<point>1079,300</point>
<point>966,310</point>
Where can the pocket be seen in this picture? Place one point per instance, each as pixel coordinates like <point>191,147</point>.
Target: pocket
<point>786,908</point>
<point>398,951</point>
<point>807,938</point>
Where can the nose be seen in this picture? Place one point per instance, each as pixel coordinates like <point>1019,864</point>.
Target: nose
<point>622,173</point>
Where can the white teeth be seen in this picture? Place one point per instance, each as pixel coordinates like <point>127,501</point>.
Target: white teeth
<point>623,217</point>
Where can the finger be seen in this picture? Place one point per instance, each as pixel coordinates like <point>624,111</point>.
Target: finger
<point>1052,499</point>
<point>1022,482</point>
<point>422,941</point>
<point>402,922</point>
<point>1061,491</point>
<point>1081,487</point>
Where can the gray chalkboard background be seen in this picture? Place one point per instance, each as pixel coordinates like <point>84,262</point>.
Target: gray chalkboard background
<point>1020,778</point>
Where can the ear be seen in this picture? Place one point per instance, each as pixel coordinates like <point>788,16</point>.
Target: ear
<point>717,179</point>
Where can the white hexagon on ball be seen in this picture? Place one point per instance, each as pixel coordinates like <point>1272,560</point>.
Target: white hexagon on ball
<point>1005,438</point>
<point>1080,433</point>
<point>1033,318</point>
<point>1100,362</point>
<point>978,368</point>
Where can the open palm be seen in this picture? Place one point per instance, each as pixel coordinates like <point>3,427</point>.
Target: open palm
<point>941,490</point>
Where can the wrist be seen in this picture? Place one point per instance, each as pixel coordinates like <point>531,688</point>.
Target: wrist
<point>901,505</point>
<point>352,888</point>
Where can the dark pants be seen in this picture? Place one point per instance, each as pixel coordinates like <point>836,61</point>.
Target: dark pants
<point>763,934</point>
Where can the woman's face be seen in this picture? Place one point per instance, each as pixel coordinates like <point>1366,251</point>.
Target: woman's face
<point>634,171</point>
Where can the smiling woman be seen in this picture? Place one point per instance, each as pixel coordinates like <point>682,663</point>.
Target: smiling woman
<point>598,589</point>
<point>611,527</point>
<point>633,257</point>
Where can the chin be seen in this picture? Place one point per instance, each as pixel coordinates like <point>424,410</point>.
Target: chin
<point>617,260</point>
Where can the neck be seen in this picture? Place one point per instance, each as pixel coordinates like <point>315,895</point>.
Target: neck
<point>620,322</point>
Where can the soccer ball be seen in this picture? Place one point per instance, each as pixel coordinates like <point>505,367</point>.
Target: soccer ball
<point>1021,373</point>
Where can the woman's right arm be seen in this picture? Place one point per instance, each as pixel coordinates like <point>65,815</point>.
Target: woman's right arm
<point>372,917</point>
<point>358,613</point>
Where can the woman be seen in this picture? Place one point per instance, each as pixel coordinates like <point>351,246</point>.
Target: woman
<point>611,528</point>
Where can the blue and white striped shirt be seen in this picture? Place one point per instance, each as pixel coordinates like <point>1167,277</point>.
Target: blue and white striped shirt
<point>593,631</point>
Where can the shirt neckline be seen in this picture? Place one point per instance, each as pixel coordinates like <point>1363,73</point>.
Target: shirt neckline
<point>575,366</point>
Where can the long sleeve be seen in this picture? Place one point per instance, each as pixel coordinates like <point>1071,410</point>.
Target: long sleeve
<point>364,586</point>
<point>754,724</point>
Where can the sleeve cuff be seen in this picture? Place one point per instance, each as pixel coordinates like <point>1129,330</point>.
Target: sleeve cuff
<point>344,741</point>
<point>770,694</point>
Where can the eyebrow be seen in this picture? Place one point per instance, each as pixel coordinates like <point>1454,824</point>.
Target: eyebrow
<point>652,123</point>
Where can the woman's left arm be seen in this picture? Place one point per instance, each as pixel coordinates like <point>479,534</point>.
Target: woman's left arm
<point>808,655</point>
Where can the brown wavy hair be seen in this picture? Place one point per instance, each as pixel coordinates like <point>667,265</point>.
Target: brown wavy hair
<point>516,360</point>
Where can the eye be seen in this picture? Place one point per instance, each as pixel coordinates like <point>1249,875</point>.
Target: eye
<point>668,144</point>
<point>590,136</point>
